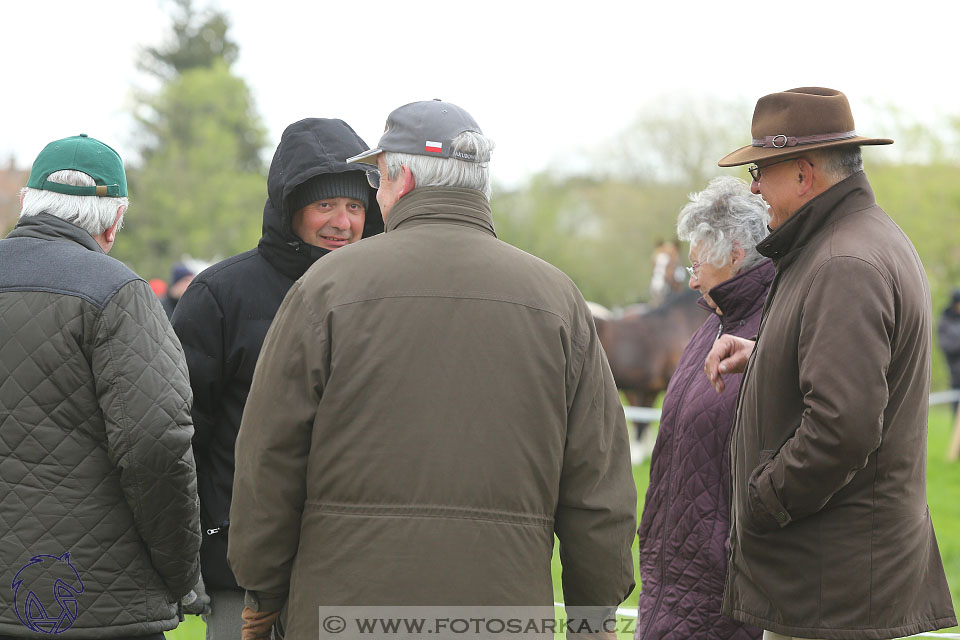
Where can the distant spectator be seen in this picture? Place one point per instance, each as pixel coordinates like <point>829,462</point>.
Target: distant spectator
<point>159,287</point>
<point>948,337</point>
<point>181,275</point>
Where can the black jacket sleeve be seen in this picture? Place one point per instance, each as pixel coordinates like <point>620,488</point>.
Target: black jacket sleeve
<point>198,321</point>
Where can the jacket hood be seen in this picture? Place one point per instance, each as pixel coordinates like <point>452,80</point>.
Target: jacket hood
<point>308,148</point>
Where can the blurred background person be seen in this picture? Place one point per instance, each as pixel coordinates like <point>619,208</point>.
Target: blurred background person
<point>159,287</point>
<point>316,203</point>
<point>685,523</point>
<point>948,337</point>
<point>181,275</point>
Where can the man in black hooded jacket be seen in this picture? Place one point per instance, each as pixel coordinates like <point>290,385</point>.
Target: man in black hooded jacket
<point>316,203</point>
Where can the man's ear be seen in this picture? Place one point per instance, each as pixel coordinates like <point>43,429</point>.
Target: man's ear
<point>806,172</point>
<point>111,233</point>
<point>409,181</point>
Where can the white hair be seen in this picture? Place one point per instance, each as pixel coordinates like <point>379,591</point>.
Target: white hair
<point>94,214</point>
<point>723,217</point>
<point>448,172</point>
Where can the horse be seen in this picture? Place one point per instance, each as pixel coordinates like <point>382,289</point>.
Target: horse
<point>644,347</point>
<point>668,276</point>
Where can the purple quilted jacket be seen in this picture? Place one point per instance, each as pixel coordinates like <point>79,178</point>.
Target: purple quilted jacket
<point>686,515</point>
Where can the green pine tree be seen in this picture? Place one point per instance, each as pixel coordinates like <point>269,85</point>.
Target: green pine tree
<point>201,185</point>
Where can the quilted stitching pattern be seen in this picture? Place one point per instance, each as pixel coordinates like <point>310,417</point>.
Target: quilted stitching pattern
<point>685,520</point>
<point>95,454</point>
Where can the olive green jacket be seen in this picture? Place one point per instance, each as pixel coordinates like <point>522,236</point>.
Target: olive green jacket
<point>430,407</point>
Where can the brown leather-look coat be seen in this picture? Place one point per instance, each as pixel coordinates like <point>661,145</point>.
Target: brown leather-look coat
<point>830,531</point>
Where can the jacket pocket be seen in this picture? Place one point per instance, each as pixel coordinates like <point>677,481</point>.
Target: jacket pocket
<point>764,512</point>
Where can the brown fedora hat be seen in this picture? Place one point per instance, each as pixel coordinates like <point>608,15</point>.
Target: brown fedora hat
<point>796,121</point>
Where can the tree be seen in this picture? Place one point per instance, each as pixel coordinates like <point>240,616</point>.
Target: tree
<point>678,138</point>
<point>201,186</point>
<point>600,232</point>
<point>199,41</point>
<point>601,229</point>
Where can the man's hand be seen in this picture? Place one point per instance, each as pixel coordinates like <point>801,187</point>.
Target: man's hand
<point>257,624</point>
<point>729,354</point>
<point>197,602</point>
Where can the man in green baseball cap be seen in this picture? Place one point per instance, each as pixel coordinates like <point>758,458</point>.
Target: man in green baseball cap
<point>96,398</point>
<point>79,167</point>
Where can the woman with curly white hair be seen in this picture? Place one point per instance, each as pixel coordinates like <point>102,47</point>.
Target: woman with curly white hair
<point>685,522</point>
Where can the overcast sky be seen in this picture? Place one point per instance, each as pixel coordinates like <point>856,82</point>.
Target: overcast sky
<point>545,80</point>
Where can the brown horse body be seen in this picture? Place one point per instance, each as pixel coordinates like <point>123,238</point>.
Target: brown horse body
<point>644,347</point>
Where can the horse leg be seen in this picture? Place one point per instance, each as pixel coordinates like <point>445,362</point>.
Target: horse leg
<point>634,399</point>
<point>647,398</point>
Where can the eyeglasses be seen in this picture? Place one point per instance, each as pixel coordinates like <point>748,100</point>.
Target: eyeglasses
<point>756,172</point>
<point>694,270</point>
<point>373,178</point>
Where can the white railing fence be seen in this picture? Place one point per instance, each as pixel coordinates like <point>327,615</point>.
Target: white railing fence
<point>649,414</point>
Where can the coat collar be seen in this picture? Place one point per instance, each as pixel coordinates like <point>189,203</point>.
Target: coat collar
<point>455,205</point>
<point>740,295</point>
<point>845,197</point>
<point>46,226</point>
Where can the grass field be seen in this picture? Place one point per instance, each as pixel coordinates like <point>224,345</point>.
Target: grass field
<point>943,495</point>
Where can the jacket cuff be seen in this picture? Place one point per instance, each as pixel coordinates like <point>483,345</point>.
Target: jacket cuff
<point>261,601</point>
<point>181,588</point>
<point>766,512</point>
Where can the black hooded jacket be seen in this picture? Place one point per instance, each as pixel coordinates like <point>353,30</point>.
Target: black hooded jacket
<point>224,315</point>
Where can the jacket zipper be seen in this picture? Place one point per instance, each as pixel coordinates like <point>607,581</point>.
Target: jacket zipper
<point>222,527</point>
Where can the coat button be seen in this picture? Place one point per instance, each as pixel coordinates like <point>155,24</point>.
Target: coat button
<point>781,516</point>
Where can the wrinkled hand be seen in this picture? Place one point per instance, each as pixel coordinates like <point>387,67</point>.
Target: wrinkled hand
<point>257,624</point>
<point>197,602</point>
<point>729,354</point>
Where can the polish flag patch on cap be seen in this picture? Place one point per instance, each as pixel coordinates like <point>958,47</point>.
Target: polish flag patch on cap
<point>434,147</point>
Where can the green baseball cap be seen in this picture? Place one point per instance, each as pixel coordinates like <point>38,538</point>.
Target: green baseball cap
<point>80,153</point>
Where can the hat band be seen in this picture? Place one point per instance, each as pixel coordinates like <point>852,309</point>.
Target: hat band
<point>781,140</point>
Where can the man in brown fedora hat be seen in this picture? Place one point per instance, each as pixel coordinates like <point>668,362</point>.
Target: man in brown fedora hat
<point>830,532</point>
